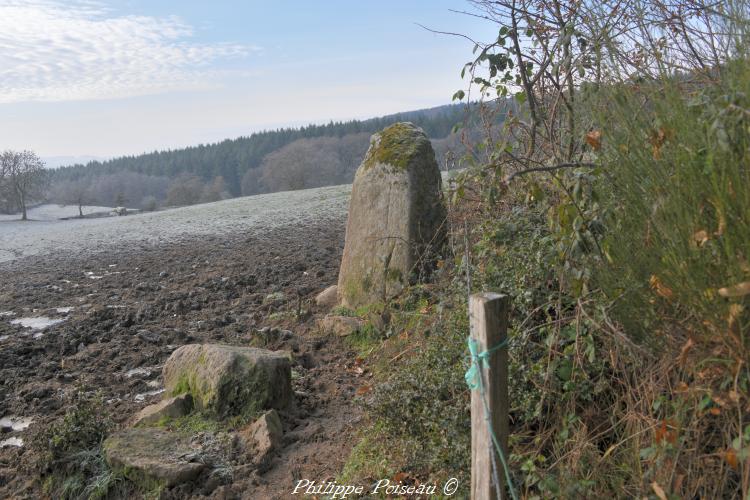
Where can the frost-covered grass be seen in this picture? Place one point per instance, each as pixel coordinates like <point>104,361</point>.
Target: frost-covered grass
<point>249,215</point>
<point>51,212</point>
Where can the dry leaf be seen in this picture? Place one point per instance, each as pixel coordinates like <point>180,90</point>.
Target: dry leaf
<point>659,491</point>
<point>735,310</point>
<point>681,388</point>
<point>715,411</point>
<point>363,389</point>
<point>657,140</point>
<point>666,432</point>
<point>661,289</point>
<point>738,290</point>
<point>700,238</point>
<point>400,477</point>
<point>684,352</point>
<point>594,139</point>
<point>731,457</point>
<point>734,396</point>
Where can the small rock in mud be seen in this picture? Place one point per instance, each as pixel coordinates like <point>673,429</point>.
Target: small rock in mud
<point>175,407</point>
<point>150,337</point>
<point>262,437</point>
<point>340,325</point>
<point>328,297</point>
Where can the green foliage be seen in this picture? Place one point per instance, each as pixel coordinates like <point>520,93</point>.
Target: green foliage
<point>70,453</point>
<point>677,185</point>
<point>418,420</point>
<point>365,340</point>
<point>342,311</point>
<point>83,427</point>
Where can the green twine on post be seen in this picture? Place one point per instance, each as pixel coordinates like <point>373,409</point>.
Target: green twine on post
<point>473,379</point>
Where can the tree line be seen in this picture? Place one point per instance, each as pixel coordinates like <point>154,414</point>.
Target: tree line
<point>231,158</point>
<point>269,161</point>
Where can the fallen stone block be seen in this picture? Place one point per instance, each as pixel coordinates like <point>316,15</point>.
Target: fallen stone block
<point>229,380</point>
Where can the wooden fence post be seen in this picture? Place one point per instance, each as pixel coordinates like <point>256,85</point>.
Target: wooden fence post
<point>488,319</point>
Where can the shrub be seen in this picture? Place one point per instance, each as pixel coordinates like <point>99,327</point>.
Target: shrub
<point>70,453</point>
<point>678,182</point>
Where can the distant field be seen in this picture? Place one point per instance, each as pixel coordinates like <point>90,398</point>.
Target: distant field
<point>54,212</point>
<point>252,214</point>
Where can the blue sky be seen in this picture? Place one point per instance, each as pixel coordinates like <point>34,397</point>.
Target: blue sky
<point>89,77</point>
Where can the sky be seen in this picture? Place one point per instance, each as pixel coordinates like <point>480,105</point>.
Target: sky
<point>110,78</point>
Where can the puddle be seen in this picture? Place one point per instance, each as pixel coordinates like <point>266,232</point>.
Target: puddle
<point>14,441</point>
<point>139,398</point>
<point>15,423</point>
<point>36,322</point>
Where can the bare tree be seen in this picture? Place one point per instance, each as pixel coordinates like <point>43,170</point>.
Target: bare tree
<point>313,162</point>
<point>185,190</point>
<point>215,191</point>
<point>26,176</point>
<point>76,193</point>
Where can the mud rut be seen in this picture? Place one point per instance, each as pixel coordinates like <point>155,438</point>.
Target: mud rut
<point>131,307</point>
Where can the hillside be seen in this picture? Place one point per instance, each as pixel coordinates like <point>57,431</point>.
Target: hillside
<point>318,155</point>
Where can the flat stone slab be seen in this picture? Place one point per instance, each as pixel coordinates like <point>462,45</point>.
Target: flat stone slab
<point>149,454</point>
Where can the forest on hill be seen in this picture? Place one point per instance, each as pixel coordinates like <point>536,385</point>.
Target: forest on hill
<point>268,161</point>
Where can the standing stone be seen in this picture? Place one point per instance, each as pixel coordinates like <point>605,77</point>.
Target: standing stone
<point>396,217</point>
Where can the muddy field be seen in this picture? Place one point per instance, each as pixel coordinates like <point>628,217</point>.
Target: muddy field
<point>116,311</point>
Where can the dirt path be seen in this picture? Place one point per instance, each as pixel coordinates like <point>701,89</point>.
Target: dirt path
<point>125,311</point>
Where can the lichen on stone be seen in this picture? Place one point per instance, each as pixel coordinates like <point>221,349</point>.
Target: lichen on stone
<point>396,145</point>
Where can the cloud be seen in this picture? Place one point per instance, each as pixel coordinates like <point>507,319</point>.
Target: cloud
<point>78,50</point>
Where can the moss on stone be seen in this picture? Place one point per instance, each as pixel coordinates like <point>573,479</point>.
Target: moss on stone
<point>182,386</point>
<point>396,146</point>
<point>394,274</point>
